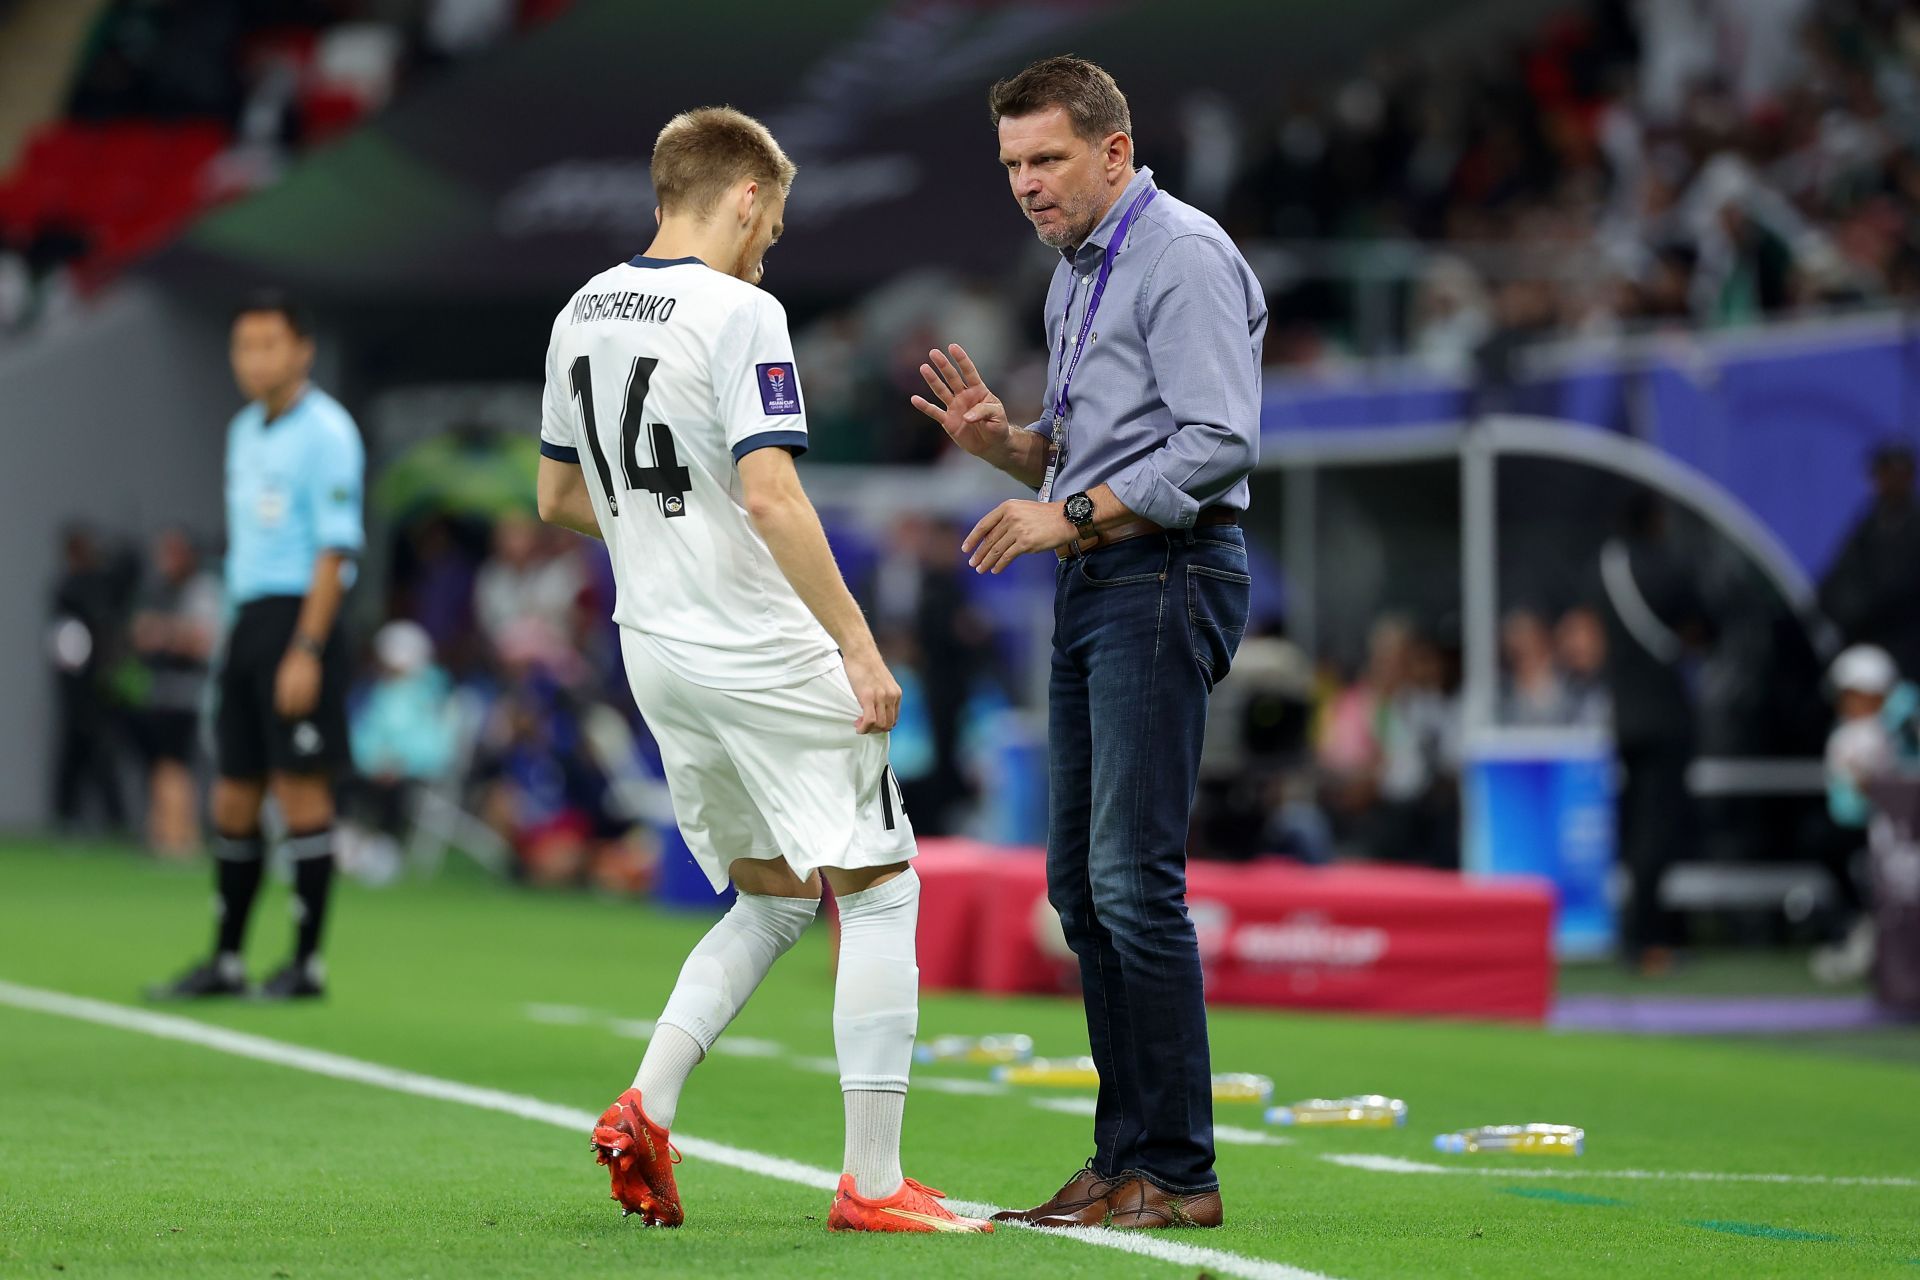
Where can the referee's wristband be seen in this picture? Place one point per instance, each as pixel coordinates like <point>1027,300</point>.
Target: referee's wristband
<point>307,644</point>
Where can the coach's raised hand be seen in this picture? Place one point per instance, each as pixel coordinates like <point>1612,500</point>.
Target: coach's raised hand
<point>973,417</point>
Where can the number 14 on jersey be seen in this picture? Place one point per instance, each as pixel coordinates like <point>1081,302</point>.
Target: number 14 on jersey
<point>667,479</point>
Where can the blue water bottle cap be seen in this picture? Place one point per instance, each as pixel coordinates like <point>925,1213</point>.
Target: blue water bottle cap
<point>1451,1143</point>
<point>1279,1115</point>
<point>1000,1074</point>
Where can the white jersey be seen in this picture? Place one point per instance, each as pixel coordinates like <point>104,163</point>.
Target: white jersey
<point>661,376</point>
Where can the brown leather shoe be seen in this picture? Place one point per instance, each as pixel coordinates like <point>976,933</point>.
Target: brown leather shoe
<point>1081,1190</point>
<point>1134,1204</point>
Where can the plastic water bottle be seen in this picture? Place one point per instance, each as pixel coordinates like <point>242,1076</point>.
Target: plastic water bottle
<point>1242,1086</point>
<point>1362,1111</point>
<point>978,1050</point>
<point>1080,1073</point>
<point>1068,1073</point>
<point>1515,1139</point>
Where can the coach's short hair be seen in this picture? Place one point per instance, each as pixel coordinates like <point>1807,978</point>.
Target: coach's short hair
<point>281,303</point>
<point>703,152</point>
<point>1083,89</point>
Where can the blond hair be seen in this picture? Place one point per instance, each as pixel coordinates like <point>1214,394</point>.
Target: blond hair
<point>702,153</point>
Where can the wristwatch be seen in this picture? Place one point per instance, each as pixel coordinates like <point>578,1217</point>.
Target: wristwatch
<point>1079,512</point>
<point>307,644</point>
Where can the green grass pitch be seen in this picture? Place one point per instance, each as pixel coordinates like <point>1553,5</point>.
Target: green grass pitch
<point>126,1155</point>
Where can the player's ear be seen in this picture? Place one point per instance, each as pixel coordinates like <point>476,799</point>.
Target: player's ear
<point>656,215</point>
<point>749,201</point>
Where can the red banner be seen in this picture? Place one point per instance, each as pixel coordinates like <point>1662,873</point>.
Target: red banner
<point>1356,937</point>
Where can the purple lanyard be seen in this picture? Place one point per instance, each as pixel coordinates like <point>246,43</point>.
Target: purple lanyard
<point>1118,239</point>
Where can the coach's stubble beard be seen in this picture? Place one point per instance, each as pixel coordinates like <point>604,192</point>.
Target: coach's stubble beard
<point>1080,215</point>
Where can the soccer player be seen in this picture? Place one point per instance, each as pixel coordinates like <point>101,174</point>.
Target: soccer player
<point>295,470</point>
<point>671,420</point>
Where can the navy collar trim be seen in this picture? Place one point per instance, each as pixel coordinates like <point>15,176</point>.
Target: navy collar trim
<point>642,260</point>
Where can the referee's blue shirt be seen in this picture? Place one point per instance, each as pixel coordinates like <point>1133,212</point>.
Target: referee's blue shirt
<point>293,491</point>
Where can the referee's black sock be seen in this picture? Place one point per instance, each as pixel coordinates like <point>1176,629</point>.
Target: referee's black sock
<point>312,856</point>
<point>238,864</point>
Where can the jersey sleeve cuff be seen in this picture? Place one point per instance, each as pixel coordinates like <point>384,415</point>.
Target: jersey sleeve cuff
<point>794,442</point>
<point>559,452</point>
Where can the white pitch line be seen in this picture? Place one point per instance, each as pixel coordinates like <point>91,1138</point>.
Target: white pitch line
<point>561,1015</point>
<point>1394,1164</point>
<point>336,1066</point>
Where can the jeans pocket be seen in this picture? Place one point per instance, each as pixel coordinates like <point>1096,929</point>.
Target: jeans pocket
<point>1217,605</point>
<point>1136,560</point>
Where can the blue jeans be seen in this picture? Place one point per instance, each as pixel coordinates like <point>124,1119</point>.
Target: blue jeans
<point>1142,630</point>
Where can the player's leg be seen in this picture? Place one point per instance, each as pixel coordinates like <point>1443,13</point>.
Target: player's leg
<point>730,842</point>
<point>833,805</point>
<point>876,1014</point>
<point>239,848</point>
<point>773,908</point>
<point>306,805</point>
<point>305,755</point>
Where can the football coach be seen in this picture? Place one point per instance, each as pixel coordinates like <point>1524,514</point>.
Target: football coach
<point>1154,323</point>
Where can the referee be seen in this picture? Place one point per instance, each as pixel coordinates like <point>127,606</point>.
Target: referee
<point>1154,324</point>
<point>295,469</point>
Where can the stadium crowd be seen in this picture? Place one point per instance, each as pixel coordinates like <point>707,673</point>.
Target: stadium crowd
<point>1627,166</point>
<point>177,105</point>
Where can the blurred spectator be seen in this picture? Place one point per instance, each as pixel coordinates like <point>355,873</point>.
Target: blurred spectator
<point>1580,641</point>
<point>527,577</point>
<point>1656,619</point>
<point>1872,592</point>
<point>1452,318</point>
<point>402,739</point>
<point>176,625</point>
<point>442,576</point>
<point>86,616</point>
<point>1534,695</point>
<point>1256,781</point>
<point>916,590</point>
<point>1873,729</point>
<point>542,789</point>
<point>1390,749</point>
<point>460,28</point>
<point>1873,734</point>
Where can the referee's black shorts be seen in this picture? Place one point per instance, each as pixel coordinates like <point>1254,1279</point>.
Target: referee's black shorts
<point>251,739</point>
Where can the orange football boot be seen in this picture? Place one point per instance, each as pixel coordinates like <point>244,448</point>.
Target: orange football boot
<point>640,1160</point>
<point>912,1208</point>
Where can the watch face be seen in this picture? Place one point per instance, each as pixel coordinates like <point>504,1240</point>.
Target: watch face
<point>1079,508</point>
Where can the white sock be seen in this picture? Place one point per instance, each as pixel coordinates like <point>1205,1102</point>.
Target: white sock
<point>876,1010</point>
<point>873,1141</point>
<point>671,1056</point>
<point>719,975</point>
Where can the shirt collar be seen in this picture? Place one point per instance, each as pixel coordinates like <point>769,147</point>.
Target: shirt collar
<point>293,406</point>
<point>1096,240</point>
<point>642,260</point>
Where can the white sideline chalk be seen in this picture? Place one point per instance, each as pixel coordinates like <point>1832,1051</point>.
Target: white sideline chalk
<point>241,1044</point>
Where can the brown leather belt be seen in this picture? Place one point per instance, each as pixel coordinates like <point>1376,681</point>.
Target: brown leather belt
<point>1210,517</point>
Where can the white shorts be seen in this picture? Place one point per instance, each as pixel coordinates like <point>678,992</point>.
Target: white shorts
<point>771,773</point>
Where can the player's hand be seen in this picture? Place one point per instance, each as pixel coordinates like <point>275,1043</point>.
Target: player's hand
<point>877,690</point>
<point>1014,529</point>
<point>296,686</point>
<point>971,415</point>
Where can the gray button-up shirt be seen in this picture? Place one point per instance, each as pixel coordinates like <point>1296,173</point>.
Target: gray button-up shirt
<point>1165,405</point>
